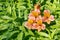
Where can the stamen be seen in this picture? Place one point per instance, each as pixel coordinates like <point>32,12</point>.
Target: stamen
<point>30,21</point>
<point>39,22</point>
<point>35,13</point>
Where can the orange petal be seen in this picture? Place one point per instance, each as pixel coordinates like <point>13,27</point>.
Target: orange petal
<point>37,10</point>
<point>47,13</point>
<point>38,18</point>
<point>31,17</point>
<point>27,25</point>
<point>51,18</point>
<point>43,26</point>
<point>44,19</point>
<point>48,21</point>
<point>30,14</point>
<point>35,26</point>
<point>35,13</point>
<point>39,30</point>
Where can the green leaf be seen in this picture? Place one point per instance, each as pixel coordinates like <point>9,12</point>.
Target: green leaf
<point>22,28</point>
<point>0,8</point>
<point>8,34</point>
<point>29,3</point>
<point>42,1</point>
<point>6,17</point>
<point>20,36</point>
<point>3,27</point>
<point>14,12</point>
<point>1,20</point>
<point>26,15</point>
<point>9,9</point>
<point>45,39</point>
<point>0,38</point>
<point>53,33</point>
<point>55,26</point>
<point>43,34</point>
<point>30,32</point>
<point>32,38</point>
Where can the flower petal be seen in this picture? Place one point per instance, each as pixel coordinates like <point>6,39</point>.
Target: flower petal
<point>43,26</point>
<point>35,13</point>
<point>44,19</point>
<point>37,10</point>
<point>39,30</point>
<point>35,25</point>
<point>38,18</point>
<point>46,13</point>
<point>48,21</point>
<point>31,17</point>
<point>27,25</point>
<point>51,18</point>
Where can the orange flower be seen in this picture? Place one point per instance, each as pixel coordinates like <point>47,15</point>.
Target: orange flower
<point>47,17</point>
<point>35,21</point>
<point>37,9</point>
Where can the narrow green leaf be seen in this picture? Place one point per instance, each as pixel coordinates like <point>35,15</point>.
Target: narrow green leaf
<point>43,34</point>
<point>30,32</point>
<point>6,17</point>
<point>9,9</point>
<point>53,33</point>
<point>22,28</point>
<point>25,14</point>
<point>20,36</point>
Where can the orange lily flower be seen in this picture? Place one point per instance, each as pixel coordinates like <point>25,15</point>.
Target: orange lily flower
<point>35,19</point>
<point>47,17</point>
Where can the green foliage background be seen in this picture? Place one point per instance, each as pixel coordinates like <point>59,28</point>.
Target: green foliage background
<point>13,13</point>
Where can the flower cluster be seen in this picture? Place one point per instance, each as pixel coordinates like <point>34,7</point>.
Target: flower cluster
<point>36,20</point>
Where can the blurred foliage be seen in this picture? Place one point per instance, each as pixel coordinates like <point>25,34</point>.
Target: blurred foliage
<point>13,13</point>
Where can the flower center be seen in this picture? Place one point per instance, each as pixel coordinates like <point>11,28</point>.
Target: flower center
<point>30,21</point>
<point>47,15</point>
<point>35,13</point>
<point>39,22</point>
